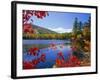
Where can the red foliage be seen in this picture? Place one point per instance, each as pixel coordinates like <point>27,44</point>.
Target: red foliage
<point>60,54</point>
<point>28,65</point>
<point>33,51</point>
<point>27,28</point>
<point>28,13</point>
<point>43,57</point>
<point>72,62</point>
<point>32,64</point>
<point>73,59</point>
<point>35,62</point>
<point>58,62</point>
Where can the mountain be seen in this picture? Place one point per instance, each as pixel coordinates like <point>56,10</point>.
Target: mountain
<point>42,30</point>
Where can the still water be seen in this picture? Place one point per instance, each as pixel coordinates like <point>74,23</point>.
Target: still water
<point>51,54</point>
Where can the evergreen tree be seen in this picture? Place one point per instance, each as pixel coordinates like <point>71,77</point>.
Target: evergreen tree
<point>80,25</point>
<point>75,26</point>
<point>89,21</point>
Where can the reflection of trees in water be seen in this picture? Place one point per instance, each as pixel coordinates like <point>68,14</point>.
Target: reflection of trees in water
<point>41,46</point>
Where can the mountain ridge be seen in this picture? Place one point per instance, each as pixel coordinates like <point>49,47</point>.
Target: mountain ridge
<point>42,30</point>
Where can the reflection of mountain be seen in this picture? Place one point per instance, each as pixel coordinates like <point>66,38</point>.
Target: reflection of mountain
<point>42,30</point>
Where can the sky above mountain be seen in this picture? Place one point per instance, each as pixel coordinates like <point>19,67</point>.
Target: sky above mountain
<point>60,21</point>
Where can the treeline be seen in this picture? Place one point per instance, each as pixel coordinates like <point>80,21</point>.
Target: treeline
<point>47,36</point>
<point>81,40</point>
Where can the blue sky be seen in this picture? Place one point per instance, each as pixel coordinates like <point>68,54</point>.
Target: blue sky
<point>60,21</point>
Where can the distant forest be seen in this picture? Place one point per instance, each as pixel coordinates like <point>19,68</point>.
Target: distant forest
<point>35,32</point>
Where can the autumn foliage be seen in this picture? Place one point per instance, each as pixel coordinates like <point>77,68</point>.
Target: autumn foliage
<point>73,61</point>
<point>27,14</point>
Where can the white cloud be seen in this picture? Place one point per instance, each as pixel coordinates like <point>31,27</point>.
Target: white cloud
<point>60,30</point>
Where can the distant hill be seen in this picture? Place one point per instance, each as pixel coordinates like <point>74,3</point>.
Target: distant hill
<point>42,30</point>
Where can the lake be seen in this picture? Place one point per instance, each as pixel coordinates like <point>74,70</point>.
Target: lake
<point>44,48</point>
<point>45,41</point>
